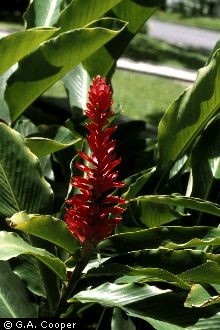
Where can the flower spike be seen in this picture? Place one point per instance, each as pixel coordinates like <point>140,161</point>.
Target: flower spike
<point>94,212</point>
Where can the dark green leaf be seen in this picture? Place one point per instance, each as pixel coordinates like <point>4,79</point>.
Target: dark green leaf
<point>186,118</point>
<point>14,299</point>
<point>46,227</point>
<point>42,13</point>
<point>55,138</point>
<point>28,271</point>
<point>17,45</point>
<point>53,60</point>
<point>81,13</point>
<point>146,274</point>
<point>135,183</point>
<point>133,12</point>
<point>155,210</point>
<point>121,321</point>
<point>12,245</point>
<point>209,272</point>
<point>173,237</point>
<point>22,186</point>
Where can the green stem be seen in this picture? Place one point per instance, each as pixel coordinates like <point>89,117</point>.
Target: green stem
<point>86,253</point>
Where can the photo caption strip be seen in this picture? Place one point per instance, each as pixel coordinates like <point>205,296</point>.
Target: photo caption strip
<point>49,324</point>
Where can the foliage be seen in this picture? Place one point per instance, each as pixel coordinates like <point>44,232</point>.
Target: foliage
<point>160,269</point>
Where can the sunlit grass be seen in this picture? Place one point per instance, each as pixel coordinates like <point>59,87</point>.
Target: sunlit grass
<point>144,96</point>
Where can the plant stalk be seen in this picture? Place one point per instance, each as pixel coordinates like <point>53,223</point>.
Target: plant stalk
<point>86,253</point>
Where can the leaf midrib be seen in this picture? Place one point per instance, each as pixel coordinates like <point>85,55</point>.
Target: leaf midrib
<point>10,188</point>
<point>7,306</point>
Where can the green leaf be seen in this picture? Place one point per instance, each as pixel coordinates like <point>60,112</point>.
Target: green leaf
<point>173,237</point>
<point>121,321</point>
<point>17,45</point>
<point>186,118</point>
<point>209,272</point>
<point>46,227</point>
<point>22,186</point>
<point>174,261</point>
<point>199,296</point>
<point>160,325</point>
<point>155,210</point>
<point>211,323</point>
<point>14,299</point>
<point>133,12</point>
<point>147,274</point>
<point>77,83</point>
<point>205,161</point>
<point>150,213</point>
<point>3,105</point>
<point>55,138</point>
<point>81,13</point>
<point>12,245</point>
<point>42,13</point>
<point>135,183</point>
<point>27,270</point>
<point>25,127</point>
<point>118,295</point>
<point>169,309</point>
<point>53,60</point>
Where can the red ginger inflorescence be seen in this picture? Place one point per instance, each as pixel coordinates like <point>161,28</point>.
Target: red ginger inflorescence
<point>94,212</point>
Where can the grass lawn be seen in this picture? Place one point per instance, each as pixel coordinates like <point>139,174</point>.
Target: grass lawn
<point>140,96</point>
<point>144,96</point>
<point>145,48</point>
<point>210,23</point>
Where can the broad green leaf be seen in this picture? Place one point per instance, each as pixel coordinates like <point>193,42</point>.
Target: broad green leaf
<point>135,183</point>
<point>151,209</point>
<point>150,214</point>
<point>22,186</point>
<point>147,274</point>
<point>121,321</point>
<point>53,60</point>
<point>161,325</point>
<point>168,308</point>
<point>55,138</point>
<point>26,267</point>
<point>209,272</point>
<point>205,161</point>
<point>133,12</point>
<point>12,245</point>
<point>77,83</point>
<point>46,227</point>
<point>173,237</point>
<point>152,303</point>
<point>42,13</point>
<point>17,45</point>
<point>118,295</point>
<point>200,296</point>
<point>186,118</point>
<point>4,114</point>
<point>25,127</point>
<point>174,261</point>
<point>211,323</point>
<point>14,299</point>
<point>81,13</point>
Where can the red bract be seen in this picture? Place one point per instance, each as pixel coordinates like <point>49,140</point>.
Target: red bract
<point>94,213</point>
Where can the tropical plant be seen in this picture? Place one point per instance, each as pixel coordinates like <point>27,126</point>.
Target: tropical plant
<point>160,269</point>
